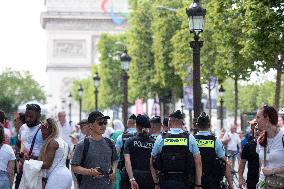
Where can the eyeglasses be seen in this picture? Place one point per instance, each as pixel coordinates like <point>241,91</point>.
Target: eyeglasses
<point>101,123</point>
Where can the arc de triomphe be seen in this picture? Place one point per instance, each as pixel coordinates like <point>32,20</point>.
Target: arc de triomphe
<point>73,29</point>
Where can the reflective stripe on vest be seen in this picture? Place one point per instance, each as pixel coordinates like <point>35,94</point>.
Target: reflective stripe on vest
<point>201,143</point>
<point>175,142</point>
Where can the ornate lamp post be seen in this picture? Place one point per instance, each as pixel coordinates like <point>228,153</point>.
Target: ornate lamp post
<point>80,93</point>
<point>196,16</point>
<point>96,79</point>
<point>125,63</point>
<point>70,106</point>
<point>221,93</point>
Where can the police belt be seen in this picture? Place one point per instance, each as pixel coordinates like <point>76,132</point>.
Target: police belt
<point>173,176</point>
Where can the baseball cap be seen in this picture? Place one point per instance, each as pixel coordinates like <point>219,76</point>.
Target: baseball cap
<point>95,115</point>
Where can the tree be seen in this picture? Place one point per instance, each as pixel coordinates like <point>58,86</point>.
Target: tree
<point>165,24</point>
<point>227,17</point>
<point>18,88</point>
<point>140,50</point>
<point>264,28</point>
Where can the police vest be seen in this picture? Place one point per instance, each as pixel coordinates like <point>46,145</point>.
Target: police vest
<point>175,156</point>
<point>212,166</point>
<point>125,136</point>
<point>140,153</point>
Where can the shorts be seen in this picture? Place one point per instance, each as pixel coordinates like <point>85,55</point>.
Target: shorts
<point>232,155</point>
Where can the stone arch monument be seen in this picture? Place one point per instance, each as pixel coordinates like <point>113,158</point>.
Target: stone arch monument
<point>73,29</point>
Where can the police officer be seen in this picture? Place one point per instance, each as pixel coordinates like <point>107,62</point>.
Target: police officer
<point>212,155</point>
<point>130,132</point>
<point>137,152</point>
<point>156,126</point>
<point>174,156</point>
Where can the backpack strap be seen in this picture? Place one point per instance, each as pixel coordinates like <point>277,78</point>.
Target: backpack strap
<point>283,141</point>
<point>85,151</point>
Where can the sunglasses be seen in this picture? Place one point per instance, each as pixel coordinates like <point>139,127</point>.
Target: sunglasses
<point>101,123</point>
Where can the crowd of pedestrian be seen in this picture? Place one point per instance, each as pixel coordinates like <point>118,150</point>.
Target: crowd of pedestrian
<point>147,153</point>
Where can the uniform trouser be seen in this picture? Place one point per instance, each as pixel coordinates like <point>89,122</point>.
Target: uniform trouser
<point>176,181</point>
<point>143,178</point>
<point>210,183</point>
<point>124,181</point>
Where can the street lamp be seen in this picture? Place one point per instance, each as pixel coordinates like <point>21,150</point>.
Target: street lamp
<point>96,79</point>
<point>80,93</point>
<point>196,15</point>
<point>221,93</point>
<point>70,106</point>
<point>125,60</point>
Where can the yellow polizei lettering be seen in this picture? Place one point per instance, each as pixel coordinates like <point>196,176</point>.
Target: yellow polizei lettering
<point>205,143</point>
<point>175,141</point>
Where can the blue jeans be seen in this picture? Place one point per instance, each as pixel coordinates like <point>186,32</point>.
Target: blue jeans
<point>4,180</point>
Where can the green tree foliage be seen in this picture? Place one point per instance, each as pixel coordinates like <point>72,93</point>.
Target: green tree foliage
<point>18,88</point>
<point>140,49</point>
<point>165,24</point>
<point>264,29</point>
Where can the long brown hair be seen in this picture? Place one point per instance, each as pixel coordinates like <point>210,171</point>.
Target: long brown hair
<point>271,113</point>
<point>54,134</point>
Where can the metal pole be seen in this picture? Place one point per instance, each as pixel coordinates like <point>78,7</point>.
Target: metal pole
<point>221,113</point>
<point>70,113</point>
<point>125,99</point>
<point>80,108</point>
<point>196,46</point>
<point>96,98</point>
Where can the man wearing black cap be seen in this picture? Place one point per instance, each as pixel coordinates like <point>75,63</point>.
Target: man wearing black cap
<point>180,146</point>
<point>137,152</point>
<point>156,126</point>
<point>97,167</point>
<point>130,132</point>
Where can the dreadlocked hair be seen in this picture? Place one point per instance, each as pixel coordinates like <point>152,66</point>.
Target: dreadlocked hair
<point>53,135</point>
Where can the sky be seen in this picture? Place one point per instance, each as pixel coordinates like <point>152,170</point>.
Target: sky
<point>22,39</point>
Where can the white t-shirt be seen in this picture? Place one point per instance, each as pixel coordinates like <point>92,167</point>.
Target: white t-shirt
<point>65,132</point>
<point>27,134</point>
<point>233,142</point>
<point>275,157</point>
<point>6,154</point>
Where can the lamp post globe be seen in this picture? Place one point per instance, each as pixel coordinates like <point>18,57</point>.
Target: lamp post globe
<point>125,60</point>
<point>80,94</point>
<point>196,15</point>
<point>96,80</point>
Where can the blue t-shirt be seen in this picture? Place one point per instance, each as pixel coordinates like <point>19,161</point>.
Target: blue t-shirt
<point>219,148</point>
<point>159,143</point>
<point>119,142</point>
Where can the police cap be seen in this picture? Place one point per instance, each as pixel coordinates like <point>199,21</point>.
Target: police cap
<point>143,121</point>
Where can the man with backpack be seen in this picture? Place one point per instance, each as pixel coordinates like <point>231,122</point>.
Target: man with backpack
<point>94,159</point>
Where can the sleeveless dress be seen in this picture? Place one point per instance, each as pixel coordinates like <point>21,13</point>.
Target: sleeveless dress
<point>58,175</point>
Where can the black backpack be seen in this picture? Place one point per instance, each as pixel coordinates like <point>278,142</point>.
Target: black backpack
<point>79,177</point>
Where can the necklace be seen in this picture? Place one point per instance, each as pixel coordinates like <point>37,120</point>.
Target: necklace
<point>269,146</point>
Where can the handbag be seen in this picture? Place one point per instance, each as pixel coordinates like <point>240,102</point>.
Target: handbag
<point>274,181</point>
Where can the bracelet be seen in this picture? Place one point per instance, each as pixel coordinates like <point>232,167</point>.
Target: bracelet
<point>132,179</point>
<point>198,185</point>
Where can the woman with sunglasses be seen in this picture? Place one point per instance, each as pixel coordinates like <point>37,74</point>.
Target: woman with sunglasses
<point>270,147</point>
<point>53,154</point>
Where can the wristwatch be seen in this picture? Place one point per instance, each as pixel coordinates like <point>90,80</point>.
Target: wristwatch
<point>132,179</point>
